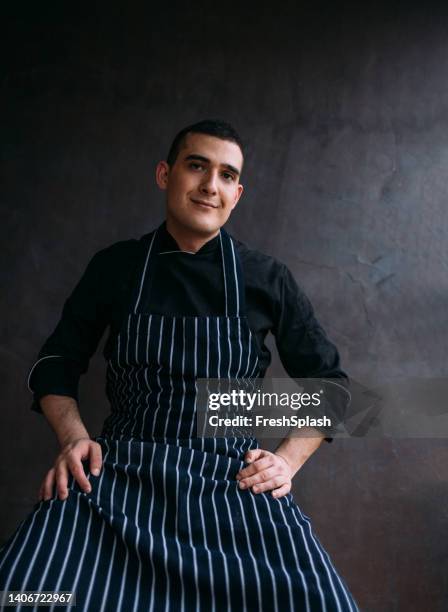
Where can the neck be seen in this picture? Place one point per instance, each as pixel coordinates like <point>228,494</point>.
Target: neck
<point>188,240</point>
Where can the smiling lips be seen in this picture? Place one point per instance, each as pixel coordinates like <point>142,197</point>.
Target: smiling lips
<point>204,203</point>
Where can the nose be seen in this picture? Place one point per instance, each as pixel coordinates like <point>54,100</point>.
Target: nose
<point>209,184</point>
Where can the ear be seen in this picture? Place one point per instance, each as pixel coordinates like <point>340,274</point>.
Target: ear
<point>162,174</point>
<point>238,194</point>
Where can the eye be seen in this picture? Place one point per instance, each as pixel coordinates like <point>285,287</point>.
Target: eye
<point>196,165</point>
<point>228,176</point>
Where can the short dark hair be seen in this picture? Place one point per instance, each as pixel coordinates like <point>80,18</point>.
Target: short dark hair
<point>212,127</point>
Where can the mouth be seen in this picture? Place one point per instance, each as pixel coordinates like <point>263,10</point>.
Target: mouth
<point>203,203</point>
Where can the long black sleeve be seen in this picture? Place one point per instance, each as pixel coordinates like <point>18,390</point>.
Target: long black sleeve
<point>303,346</point>
<point>66,353</point>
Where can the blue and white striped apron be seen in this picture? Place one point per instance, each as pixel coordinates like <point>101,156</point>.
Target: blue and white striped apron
<point>166,527</point>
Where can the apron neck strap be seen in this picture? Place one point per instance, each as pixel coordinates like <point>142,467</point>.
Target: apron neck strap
<point>143,282</point>
<point>231,269</point>
<point>233,276</point>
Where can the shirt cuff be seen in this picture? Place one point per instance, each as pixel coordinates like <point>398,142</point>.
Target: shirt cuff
<point>53,375</point>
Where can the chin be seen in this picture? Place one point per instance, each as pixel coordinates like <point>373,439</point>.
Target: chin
<point>206,230</point>
<point>202,226</point>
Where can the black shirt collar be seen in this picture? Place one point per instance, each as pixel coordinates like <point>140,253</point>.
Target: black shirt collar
<point>167,242</point>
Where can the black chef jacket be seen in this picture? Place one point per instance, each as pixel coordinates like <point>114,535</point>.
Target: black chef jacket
<point>184,284</point>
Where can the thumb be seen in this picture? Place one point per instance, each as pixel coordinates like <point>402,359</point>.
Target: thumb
<point>252,455</point>
<point>95,459</point>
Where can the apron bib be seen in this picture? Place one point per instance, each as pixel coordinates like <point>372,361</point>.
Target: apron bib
<point>151,375</point>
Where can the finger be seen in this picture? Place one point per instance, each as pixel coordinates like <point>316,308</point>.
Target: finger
<point>253,455</point>
<point>61,480</point>
<point>256,466</point>
<point>281,491</point>
<point>48,484</point>
<point>259,477</point>
<point>272,483</point>
<point>77,470</point>
<point>96,459</point>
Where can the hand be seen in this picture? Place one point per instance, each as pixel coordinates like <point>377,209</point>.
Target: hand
<point>69,459</point>
<point>267,472</point>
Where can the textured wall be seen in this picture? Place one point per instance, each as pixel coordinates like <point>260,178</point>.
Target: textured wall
<point>346,117</point>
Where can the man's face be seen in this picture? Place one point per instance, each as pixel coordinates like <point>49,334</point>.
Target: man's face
<point>203,184</point>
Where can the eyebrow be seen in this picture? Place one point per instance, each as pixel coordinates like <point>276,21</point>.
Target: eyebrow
<point>205,159</point>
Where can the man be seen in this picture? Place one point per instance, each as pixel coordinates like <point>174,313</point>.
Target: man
<point>171,520</point>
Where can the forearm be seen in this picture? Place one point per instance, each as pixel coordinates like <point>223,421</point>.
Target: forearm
<point>297,450</point>
<point>63,415</point>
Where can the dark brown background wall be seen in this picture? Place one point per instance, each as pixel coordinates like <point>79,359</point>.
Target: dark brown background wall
<point>345,112</point>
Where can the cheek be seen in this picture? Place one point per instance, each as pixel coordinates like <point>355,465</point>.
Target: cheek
<point>230,196</point>
<point>178,188</point>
